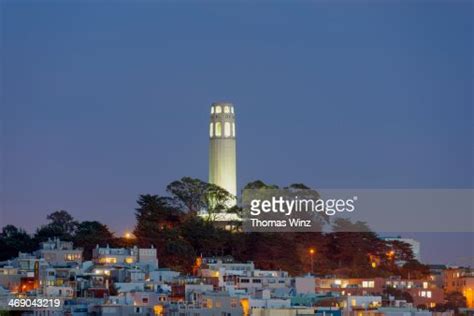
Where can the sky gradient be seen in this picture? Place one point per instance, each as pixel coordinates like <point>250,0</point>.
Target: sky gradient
<point>103,101</point>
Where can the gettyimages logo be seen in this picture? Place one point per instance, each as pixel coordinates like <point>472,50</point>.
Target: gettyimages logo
<point>283,210</point>
<point>357,210</point>
<point>289,206</point>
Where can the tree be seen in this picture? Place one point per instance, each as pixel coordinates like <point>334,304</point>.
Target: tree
<point>454,301</point>
<point>61,225</point>
<point>355,249</point>
<point>12,241</point>
<point>414,269</point>
<point>217,200</point>
<point>63,219</point>
<point>195,195</point>
<point>190,193</point>
<point>204,237</point>
<point>89,234</point>
<point>402,251</point>
<point>259,184</point>
<point>154,213</point>
<point>298,187</point>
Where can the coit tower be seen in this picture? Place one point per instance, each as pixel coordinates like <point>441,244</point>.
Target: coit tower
<point>222,153</point>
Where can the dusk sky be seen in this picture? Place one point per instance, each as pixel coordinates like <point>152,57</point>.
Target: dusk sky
<point>105,100</point>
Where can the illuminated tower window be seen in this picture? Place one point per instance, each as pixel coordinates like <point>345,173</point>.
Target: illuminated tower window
<point>233,129</point>
<point>218,109</point>
<point>218,128</point>
<point>232,109</point>
<point>212,110</point>
<point>211,130</point>
<point>226,109</point>
<point>227,129</point>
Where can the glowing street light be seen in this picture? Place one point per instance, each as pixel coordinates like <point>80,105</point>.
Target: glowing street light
<point>312,251</point>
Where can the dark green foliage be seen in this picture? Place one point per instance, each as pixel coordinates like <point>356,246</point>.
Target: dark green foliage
<point>12,241</point>
<point>173,227</point>
<point>89,234</point>
<point>61,225</point>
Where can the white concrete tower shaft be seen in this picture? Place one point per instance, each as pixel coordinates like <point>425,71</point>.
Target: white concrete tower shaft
<point>222,148</point>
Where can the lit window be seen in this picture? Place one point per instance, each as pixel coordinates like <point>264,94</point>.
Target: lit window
<point>232,109</point>
<point>211,130</point>
<point>209,303</point>
<point>218,129</point>
<point>425,285</point>
<point>233,129</point>
<point>226,109</point>
<point>108,260</point>
<point>212,110</point>
<point>428,294</point>
<point>218,109</point>
<point>227,129</point>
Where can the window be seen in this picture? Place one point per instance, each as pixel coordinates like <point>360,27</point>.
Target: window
<point>233,129</point>
<point>256,281</point>
<point>212,110</point>
<point>244,280</point>
<point>428,294</point>
<point>370,284</point>
<point>227,129</point>
<point>218,109</point>
<point>232,109</point>
<point>218,129</point>
<point>72,257</point>
<point>226,109</point>
<point>211,130</point>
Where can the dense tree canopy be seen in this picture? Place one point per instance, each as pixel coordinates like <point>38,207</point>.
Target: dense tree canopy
<point>12,241</point>
<point>173,226</point>
<point>90,234</point>
<point>61,225</point>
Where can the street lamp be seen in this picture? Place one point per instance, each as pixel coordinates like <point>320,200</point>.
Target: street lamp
<point>312,251</point>
<point>128,236</point>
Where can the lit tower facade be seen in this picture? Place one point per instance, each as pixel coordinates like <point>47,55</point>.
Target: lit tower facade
<point>222,151</point>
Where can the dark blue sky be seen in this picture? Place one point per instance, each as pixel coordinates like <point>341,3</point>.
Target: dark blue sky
<point>105,100</point>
